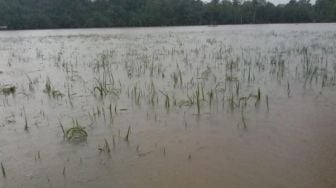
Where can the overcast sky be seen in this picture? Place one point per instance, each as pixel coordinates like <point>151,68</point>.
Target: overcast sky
<point>276,2</point>
<point>279,1</point>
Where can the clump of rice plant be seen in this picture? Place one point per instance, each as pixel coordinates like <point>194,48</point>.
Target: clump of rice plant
<point>106,148</point>
<point>8,90</point>
<point>51,91</point>
<point>26,119</point>
<point>211,97</point>
<point>187,103</point>
<point>243,118</point>
<point>167,100</point>
<point>31,87</point>
<point>61,125</point>
<point>76,133</point>
<point>152,94</point>
<point>231,102</point>
<point>198,100</point>
<point>127,134</point>
<point>259,95</point>
<point>3,170</point>
<point>137,94</point>
<point>48,88</point>
<point>63,172</point>
<point>38,156</point>
<point>103,88</point>
<point>237,88</point>
<point>56,94</point>
<point>267,105</point>
<point>288,89</point>
<point>175,79</point>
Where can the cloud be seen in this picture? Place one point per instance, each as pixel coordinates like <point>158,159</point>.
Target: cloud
<point>276,2</point>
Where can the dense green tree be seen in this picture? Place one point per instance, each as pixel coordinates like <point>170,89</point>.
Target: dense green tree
<point>325,10</point>
<point>31,14</point>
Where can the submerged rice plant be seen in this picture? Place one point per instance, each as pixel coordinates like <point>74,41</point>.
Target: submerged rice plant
<point>77,133</point>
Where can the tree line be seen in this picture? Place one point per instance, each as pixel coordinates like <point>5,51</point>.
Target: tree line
<point>40,14</point>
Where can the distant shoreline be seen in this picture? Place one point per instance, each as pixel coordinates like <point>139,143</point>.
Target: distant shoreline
<point>163,26</point>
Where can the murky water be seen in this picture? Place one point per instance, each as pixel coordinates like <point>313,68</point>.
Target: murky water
<point>226,106</point>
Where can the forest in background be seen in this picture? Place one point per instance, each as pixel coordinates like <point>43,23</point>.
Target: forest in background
<point>42,14</point>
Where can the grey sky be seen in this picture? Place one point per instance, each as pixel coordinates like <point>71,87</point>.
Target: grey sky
<point>279,1</point>
<point>276,2</point>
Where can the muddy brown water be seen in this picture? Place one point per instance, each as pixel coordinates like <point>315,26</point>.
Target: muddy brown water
<point>189,96</point>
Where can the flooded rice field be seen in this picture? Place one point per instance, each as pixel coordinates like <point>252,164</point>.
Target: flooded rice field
<point>227,106</point>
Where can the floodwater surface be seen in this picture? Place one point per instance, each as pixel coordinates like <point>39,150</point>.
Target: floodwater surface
<point>227,106</point>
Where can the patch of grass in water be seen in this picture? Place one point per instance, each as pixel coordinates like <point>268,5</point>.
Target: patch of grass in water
<point>76,134</point>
